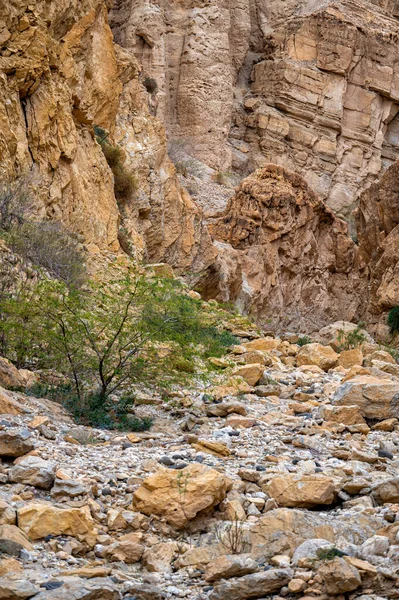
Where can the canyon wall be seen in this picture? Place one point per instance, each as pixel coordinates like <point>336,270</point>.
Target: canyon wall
<point>61,74</point>
<point>310,85</point>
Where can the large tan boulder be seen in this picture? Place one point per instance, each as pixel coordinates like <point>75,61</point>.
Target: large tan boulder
<point>317,354</point>
<point>9,375</point>
<point>15,442</point>
<point>255,585</point>
<point>350,358</point>
<point>40,519</point>
<point>339,577</point>
<point>262,344</point>
<point>13,540</point>
<point>348,415</point>
<point>179,496</point>
<point>251,373</point>
<point>376,397</point>
<point>335,334</point>
<point>380,355</point>
<point>301,491</point>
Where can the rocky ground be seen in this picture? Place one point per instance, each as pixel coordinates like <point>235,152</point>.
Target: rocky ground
<point>279,482</point>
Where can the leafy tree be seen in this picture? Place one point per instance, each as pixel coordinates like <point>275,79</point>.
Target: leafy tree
<point>104,336</point>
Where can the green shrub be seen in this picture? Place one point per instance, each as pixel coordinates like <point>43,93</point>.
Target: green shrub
<point>151,85</point>
<point>125,182</point>
<point>304,340</point>
<point>106,337</point>
<point>393,320</point>
<point>329,553</point>
<point>348,340</point>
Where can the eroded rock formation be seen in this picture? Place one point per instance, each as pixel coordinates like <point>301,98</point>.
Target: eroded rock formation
<point>61,74</point>
<point>283,255</point>
<point>312,86</point>
<point>377,222</point>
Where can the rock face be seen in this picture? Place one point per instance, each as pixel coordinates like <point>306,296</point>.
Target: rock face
<point>377,223</point>
<point>61,75</point>
<point>283,254</point>
<point>309,86</point>
<point>180,495</point>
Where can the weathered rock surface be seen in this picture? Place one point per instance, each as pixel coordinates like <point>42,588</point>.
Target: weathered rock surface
<point>180,495</point>
<point>14,443</point>
<point>303,492</point>
<point>228,566</point>
<point>252,586</point>
<point>282,250</point>
<point>316,354</point>
<point>339,576</point>
<point>39,520</point>
<point>35,471</point>
<point>377,398</point>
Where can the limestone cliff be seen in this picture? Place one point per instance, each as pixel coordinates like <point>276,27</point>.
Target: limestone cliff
<point>61,74</point>
<point>377,221</point>
<point>283,255</point>
<point>310,85</point>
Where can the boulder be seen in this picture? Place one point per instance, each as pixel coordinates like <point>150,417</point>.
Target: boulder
<point>301,491</point>
<point>282,530</point>
<point>32,470</point>
<point>180,495</point>
<point>348,415</point>
<point>16,590</point>
<point>387,491</point>
<point>339,577</point>
<point>262,344</point>
<point>68,488</point>
<point>227,566</point>
<point>9,375</point>
<point>380,356</point>
<point>215,448</point>
<point>38,520</point>
<point>98,588</point>
<point>8,514</point>
<point>350,358</point>
<point>15,442</point>
<point>126,551</point>
<point>332,333</point>
<point>13,540</point>
<point>309,549</point>
<point>318,355</point>
<point>8,406</point>
<point>377,398</point>
<point>158,558</point>
<point>9,565</point>
<point>223,409</point>
<point>251,373</point>
<point>256,585</point>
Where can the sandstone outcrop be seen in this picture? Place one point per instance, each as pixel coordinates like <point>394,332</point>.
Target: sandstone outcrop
<point>283,255</point>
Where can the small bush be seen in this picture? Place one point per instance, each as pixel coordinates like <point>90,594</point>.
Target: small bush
<point>50,246</point>
<point>304,340</point>
<point>151,85</point>
<point>393,320</point>
<point>348,340</point>
<point>125,182</point>
<point>329,553</point>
